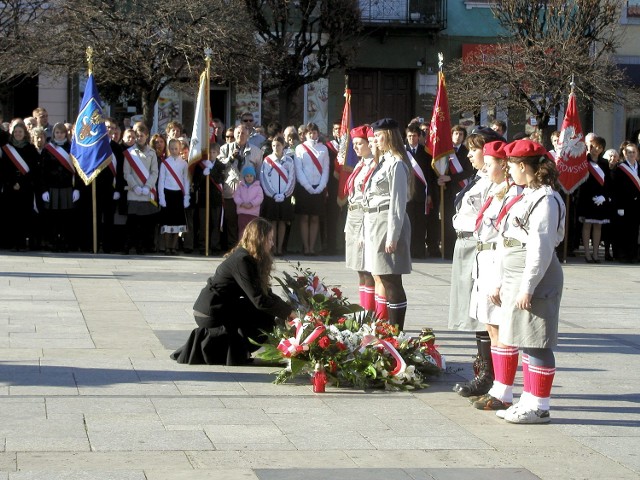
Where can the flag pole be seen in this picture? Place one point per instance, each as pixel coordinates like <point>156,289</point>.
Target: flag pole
<point>94,209</point>
<point>441,206</point>
<point>207,59</point>
<point>565,243</point>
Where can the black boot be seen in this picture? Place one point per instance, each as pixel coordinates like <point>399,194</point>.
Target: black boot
<point>482,367</point>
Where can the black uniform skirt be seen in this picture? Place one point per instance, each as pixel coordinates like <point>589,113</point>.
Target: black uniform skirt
<point>309,203</point>
<point>173,219</point>
<point>277,211</point>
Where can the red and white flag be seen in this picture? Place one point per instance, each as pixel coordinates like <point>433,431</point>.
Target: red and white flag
<point>572,160</point>
<point>439,144</point>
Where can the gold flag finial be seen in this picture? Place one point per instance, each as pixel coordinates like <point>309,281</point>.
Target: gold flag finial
<point>90,59</point>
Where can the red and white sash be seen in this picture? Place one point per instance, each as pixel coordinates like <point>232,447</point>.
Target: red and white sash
<point>505,209</point>
<point>273,164</point>
<point>314,157</point>
<point>140,170</point>
<point>630,172</point>
<point>456,167</point>
<point>596,172</point>
<point>174,175</point>
<point>332,145</point>
<point>417,171</point>
<point>113,165</point>
<point>16,158</point>
<point>61,155</point>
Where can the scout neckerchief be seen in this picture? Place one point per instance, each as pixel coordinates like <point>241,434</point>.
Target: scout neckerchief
<point>417,171</point>
<point>630,172</point>
<point>16,158</point>
<point>271,160</point>
<point>596,172</point>
<point>61,155</point>
<point>175,176</point>
<point>481,212</point>
<point>314,157</point>
<point>505,209</point>
<point>140,170</point>
<point>350,185</point>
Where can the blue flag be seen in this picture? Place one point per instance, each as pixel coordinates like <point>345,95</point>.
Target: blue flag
<point>90,147</point>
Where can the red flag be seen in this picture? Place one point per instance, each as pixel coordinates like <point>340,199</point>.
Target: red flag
<point>572,160</point>
<point>346,159</point>
<point>439,145</point>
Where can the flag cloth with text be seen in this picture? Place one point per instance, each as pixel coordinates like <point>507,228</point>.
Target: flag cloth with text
<point>439,144</point>
<point>90,146</point>
<point>572,160</point>
<point>346,154</point>
<point>202,132</point>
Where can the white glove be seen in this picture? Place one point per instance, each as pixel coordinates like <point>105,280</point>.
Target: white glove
<point>137,190</point>
<point>162,203</point>
<point>278,197</point>
<point>116,195</point>
<point>145,190</point>
<point>186,201</point>
<point>75,196</point>
<point>46,197</point>
<point>206,171</point>
<point>598,200</point>
<point>621,213</point>
<point>208,164</point>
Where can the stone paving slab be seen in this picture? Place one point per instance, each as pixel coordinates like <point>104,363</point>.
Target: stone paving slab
<point>87,389</point>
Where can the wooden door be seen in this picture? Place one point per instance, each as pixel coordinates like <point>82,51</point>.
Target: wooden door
<point>381,93</point>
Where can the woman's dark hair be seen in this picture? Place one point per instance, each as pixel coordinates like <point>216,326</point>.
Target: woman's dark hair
<point>544,169</point>
<point>254,240</point>
<point>475,140</point>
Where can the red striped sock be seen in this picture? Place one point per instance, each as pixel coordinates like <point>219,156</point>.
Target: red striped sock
<point>381,307</point>
<point>541,380</point>
<point>505,364</point>
<point>370,299</point>
<point>363,297</point>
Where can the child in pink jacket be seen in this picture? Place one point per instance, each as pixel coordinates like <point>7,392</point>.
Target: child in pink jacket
<point>248,197</point>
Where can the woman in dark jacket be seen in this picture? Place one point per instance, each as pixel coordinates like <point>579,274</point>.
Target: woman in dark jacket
<point>236,304</point>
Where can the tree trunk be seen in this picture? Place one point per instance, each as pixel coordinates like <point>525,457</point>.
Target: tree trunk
<point>284,98</point>
<point>149,99</point>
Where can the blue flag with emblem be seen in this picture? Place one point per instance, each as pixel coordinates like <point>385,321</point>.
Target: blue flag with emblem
<point>90,147</point>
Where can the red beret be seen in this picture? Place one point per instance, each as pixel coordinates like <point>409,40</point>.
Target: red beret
<point>360,132</point>
<point>494,149</point>
<point>525,148</point>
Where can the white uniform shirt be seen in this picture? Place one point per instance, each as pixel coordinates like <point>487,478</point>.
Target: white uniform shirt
<point>307,173</point>
<point>166,180</point>
<point>465,218</point>
<point>271,181</point>
<point>536,221</point>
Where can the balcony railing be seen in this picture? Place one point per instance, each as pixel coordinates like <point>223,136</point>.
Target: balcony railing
<point>428,14</point>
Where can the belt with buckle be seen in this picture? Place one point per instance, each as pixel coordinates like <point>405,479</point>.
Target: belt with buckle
<point>464,234</point>
<point>380,208</point>
<point>485,246</point>
<point>355,206</point>
<point>512,242</point>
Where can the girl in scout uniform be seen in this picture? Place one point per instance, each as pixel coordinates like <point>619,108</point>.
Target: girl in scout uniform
<point>58,187</point>
<point>467,205</point>
<point>531,279</point>
<point>354,236</point>
<point>499,199</point>
<point>141,174</point>
<point>174,196</point>
<point>19,164</point>
<point>312,175</point>
<point>387,231</point>
<point>278,179</point>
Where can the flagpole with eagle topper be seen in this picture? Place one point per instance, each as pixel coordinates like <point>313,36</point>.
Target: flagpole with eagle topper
<point>572,163</point>
<point>439,144</point>
<point>346,158</point>
<point>90,144</point>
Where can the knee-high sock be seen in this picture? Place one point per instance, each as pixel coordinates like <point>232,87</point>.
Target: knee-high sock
<point>397,312</point>
<point>381,307</point>
<point>369,299</point>
<point>539,379</point>
<point>505,364</point>
<point>363,298</point>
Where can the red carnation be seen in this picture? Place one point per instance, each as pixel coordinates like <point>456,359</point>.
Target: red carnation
<point>324,342</point>
<point>324,313</point>
<point>333,366</point>
<point>337,292</point>
<point>341,320</point>
<point>341,346</point>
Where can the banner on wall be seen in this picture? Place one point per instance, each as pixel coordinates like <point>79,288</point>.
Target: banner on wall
<point>316,102</point>
<point>168,108</point>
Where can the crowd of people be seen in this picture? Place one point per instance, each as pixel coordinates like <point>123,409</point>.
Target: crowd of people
<point>278,174</point>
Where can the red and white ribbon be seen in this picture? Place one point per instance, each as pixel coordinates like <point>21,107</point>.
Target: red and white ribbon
<point>372,340</point>
<point>293,345</point>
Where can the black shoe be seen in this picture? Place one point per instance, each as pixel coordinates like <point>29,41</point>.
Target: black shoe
<point>476,387</point>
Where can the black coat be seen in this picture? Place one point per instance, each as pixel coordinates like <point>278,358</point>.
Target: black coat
<point>235,309</point>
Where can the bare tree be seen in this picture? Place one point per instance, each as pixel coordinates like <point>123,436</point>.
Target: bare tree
<point>545,45</point>
<point>302,41</point>
<point>141,46</point>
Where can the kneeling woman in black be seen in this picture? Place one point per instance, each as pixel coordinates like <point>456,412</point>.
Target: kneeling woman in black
<point>236,303</point>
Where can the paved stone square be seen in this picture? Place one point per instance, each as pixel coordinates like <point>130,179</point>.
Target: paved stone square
<point>87,389</point>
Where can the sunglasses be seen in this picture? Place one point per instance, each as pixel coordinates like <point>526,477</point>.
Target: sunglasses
<point>247,120</point>
<point>229,136</point>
